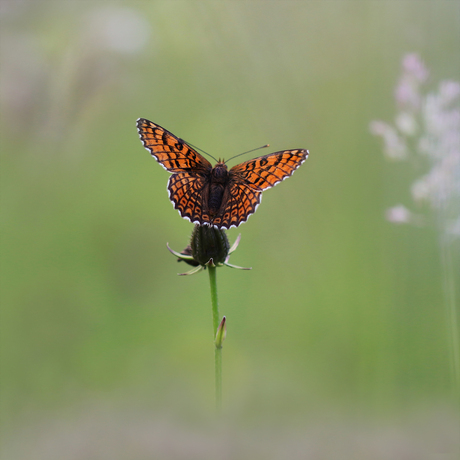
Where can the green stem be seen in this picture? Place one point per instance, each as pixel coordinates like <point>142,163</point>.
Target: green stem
<point>218,372</point>
<point>215,324</point>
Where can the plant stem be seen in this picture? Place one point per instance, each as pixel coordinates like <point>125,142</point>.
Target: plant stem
<point>218,372</point>
<point>215,324</point>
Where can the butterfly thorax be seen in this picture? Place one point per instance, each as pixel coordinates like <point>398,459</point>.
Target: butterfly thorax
<point>219,173</point>
<point>218,183</point>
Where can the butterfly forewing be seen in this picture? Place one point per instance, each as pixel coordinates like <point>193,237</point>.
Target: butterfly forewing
<point>267,171</point>
<point>170,151</point>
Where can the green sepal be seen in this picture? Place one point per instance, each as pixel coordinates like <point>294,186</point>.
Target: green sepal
<point>221,333</point>
<point>192,271</point>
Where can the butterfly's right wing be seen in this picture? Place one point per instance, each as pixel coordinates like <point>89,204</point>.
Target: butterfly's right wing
<point>172,153</point>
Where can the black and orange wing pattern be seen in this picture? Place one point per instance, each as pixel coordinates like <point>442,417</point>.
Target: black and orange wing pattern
<point>172,153</point>
<point>242,202</point>
<point>249,179</point>
<point>186,193</point>
<point>190,170</point>
<point>267,171</point>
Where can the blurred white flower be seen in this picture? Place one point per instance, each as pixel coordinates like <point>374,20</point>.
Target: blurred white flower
<point>413,66</point>
<point>441,185</point>
<point>406,123</point>
<point>407,92</point>
<point>426,125</point>
<point>398,214</point>
<point>394,146</point>
<point>439,118</point>
<point>449,91</point>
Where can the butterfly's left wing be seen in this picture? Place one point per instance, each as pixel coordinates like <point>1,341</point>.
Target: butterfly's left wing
<point>267,171</point>
<point>186,193</point>
<point>172,153</point>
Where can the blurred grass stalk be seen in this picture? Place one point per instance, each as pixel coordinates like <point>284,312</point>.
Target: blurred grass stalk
<point>450,303</point>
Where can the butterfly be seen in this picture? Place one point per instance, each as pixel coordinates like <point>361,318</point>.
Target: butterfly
<point>215,196</point>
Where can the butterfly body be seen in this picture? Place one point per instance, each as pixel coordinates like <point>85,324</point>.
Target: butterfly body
<point>218,184</point>
<point>209,195</point>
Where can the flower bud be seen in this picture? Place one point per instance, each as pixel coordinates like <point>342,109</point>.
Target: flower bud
<point>209,246</point>
<point>209,243</point>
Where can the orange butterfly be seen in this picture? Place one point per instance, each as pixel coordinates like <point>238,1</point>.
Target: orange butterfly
<point>215,196</point>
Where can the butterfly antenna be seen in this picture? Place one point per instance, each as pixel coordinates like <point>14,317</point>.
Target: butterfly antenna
<point>249,151</point>
<point>201,150</point>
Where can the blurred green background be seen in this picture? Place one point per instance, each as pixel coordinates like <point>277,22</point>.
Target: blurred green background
<point>337,338</point>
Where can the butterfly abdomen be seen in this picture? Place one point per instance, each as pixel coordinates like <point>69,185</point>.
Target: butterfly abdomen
<point>219,181</point>
<point>216,194</point>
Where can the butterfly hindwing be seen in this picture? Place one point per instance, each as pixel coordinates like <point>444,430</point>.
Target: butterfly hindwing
<point>242,202</point>
<point>172,153</point>
<point>186,192</point>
